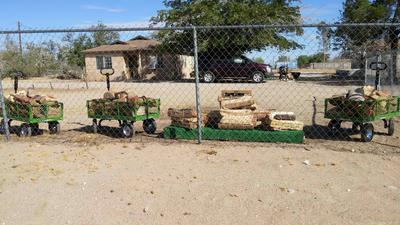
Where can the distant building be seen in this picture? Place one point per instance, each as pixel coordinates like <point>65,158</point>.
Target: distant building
<point>136,59</point>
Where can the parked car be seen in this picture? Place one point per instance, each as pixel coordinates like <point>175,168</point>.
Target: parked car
<point>236,68</point>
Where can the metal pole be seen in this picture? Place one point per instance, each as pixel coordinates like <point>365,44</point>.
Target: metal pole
<point>3,106</point>
<point>196,71</point>
<point>20,38</point>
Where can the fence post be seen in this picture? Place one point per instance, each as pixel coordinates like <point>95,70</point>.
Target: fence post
<point>3,107</point>
<point>196,71</point>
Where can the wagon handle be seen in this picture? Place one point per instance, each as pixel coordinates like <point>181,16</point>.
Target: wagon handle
<point>107,73</point>
<point>378,66</point>
<point>16,76</point>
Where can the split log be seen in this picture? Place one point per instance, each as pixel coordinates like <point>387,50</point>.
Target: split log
<point>182,113</point>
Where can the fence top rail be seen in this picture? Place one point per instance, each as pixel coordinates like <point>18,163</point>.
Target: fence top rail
<point>124,29</point>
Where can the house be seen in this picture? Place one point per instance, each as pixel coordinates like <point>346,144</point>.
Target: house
<point>136,59</point>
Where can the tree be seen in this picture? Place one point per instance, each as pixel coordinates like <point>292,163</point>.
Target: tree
<point>228,42</point>
<point>36,59</point>
<point>355,40</point>
<point>283,58</point>
<point>259,59</point>
<point>304,60</point>
<point>324,34</point>
<point>75,45</point>
<point>73,51</point>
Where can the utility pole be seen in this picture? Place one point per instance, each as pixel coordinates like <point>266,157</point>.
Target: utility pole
<point>20,38</point>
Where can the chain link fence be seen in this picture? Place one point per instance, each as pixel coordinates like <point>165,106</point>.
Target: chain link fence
<point>264,83</point>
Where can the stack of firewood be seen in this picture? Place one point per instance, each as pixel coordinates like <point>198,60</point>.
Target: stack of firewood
<point>122,103</point>
<point>186,118</point>
<point>238,110</point>
<point>27,98</point>
<point>282,121</point>
<point>19,103</point>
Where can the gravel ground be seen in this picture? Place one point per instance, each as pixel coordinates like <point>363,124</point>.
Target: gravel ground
<point>169,182</point>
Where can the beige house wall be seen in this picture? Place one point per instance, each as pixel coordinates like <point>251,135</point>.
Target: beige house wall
<point>118,62</point>
<point>174,67</point>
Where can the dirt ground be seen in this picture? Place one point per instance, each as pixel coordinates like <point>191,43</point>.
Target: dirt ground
<point>88,179</point>
<point>155,181</point>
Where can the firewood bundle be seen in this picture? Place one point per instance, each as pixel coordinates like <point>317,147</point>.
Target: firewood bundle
<point>19,104</point>
<point>186,118</point>
<point>282,121</point>
<point>122,103</point>
<point>362,102</point>
<point>238,110</point>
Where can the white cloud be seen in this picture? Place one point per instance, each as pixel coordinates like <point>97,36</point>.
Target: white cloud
<point>102,8</point>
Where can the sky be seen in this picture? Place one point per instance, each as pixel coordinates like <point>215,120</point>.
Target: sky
<point>125,13</point>
<point>42,14</point>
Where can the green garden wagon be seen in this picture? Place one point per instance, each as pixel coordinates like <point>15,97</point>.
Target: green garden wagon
<point>362,114</point>
<point>31,115</point>
<point>126,113</point>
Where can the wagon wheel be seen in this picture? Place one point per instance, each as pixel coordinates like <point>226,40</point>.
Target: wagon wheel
<point>391,127</point>
<point>334,126</point>
<point>149,126</point>
<point>35,128</point>
<point>367,132</point>
<point>2,126</point>
<point>127,130</point>
<point>54,127</point>
<point>25,130</point>
<point>94,126</point>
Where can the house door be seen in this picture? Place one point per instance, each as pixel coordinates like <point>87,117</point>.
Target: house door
<point>132,64</point>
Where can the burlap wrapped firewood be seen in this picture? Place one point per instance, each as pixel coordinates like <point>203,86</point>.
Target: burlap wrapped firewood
<point>284,125</point>
<point>237,102</point>
<point>237,119</point>
<point>281,116</point>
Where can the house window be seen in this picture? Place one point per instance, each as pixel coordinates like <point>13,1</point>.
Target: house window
<point>160,62</point>
<point>153,62</point>
<point>103,62</point>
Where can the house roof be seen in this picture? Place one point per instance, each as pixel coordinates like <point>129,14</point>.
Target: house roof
<point>135,44</point>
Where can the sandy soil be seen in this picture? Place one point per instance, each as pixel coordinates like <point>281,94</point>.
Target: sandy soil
<point>168,182</point>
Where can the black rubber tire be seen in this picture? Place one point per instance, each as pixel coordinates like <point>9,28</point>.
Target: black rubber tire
<point>35,128</point>
<point>2,128</point>
<point>54,127</point>
<point>257,77</point>
<point>127,130</point>
<point>208,77</point>
<point>25,130</point>
<point>149,126</point>
<point>95,127</point>
<point>296,75</point>
<point>334,126</point>
<point>367,132</point>
<point>391,127</point>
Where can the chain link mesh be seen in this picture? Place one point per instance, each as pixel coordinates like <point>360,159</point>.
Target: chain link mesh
<point>265,83</point>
